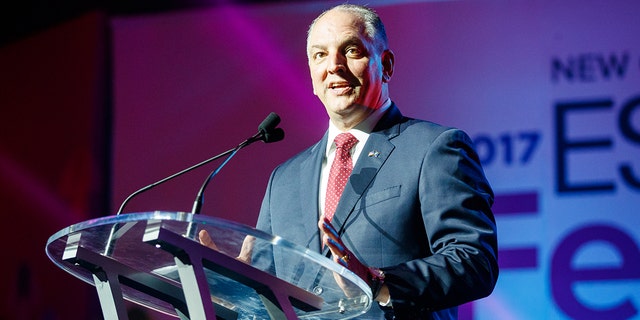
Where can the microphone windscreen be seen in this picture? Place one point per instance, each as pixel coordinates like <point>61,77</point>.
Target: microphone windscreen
<point>274,135</point>
<point>269,123</point>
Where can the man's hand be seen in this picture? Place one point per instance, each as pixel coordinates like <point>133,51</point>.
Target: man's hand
<point>343,256</point>
<point>205,240</point>
<point>245,251</point>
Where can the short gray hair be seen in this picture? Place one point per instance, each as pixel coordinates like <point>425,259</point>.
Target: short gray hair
<point>374,28</point>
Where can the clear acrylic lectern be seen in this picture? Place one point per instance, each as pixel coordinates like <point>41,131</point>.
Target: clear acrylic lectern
<point>156,260</point>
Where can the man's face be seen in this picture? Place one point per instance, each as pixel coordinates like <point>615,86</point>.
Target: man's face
<point>346,68</point>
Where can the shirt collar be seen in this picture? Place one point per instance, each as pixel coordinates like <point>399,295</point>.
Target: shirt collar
<point>362,130</point>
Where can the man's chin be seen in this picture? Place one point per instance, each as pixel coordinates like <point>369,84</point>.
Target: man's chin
<point>342,108</point>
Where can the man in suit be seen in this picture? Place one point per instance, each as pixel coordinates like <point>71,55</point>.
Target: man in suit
<point>414,219</point>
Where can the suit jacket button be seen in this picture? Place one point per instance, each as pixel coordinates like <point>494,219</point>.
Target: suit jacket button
<point>318,290</point>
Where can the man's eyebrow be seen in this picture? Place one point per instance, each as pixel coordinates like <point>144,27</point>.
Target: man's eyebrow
<point>355,41</point>
<point>347,42</point>
<point>352,41</point>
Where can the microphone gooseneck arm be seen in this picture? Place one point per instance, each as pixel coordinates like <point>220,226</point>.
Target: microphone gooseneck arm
<point>267,132</point>
<point>197,204</point>
<point>141,190</point>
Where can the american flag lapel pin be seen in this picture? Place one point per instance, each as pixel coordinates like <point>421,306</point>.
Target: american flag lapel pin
<point>374,154</point>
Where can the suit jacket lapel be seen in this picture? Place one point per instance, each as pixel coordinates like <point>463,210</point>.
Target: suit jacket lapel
<point>309,186</point>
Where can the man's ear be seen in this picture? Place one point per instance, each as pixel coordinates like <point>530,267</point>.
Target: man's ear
<point>388,62</point>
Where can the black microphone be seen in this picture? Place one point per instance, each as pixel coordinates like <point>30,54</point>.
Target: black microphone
<point>267,132</point>
<point>274,135</point>
<point>269,123</point>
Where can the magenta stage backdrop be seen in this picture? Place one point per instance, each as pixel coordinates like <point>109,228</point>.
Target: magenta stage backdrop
<point>548,90</point>
<point>53,106</point>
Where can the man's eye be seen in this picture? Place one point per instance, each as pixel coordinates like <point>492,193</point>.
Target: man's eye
<point>354,52</point>
<point>318,55</point>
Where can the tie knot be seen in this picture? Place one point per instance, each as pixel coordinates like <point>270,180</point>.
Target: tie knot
<point>345,140</point>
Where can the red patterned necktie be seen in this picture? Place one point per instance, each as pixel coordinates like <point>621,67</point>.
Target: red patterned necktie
<point>340,171</point>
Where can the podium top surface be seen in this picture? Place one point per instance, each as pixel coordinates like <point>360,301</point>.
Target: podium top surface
<point>128,246</point>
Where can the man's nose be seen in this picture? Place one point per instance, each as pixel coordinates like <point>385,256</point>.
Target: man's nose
<point>337,63</point>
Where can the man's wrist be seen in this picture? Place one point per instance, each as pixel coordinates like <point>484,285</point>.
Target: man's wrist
<point>376,281</point>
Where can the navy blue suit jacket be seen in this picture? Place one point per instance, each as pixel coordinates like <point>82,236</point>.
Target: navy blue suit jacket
<point>417,205</point>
